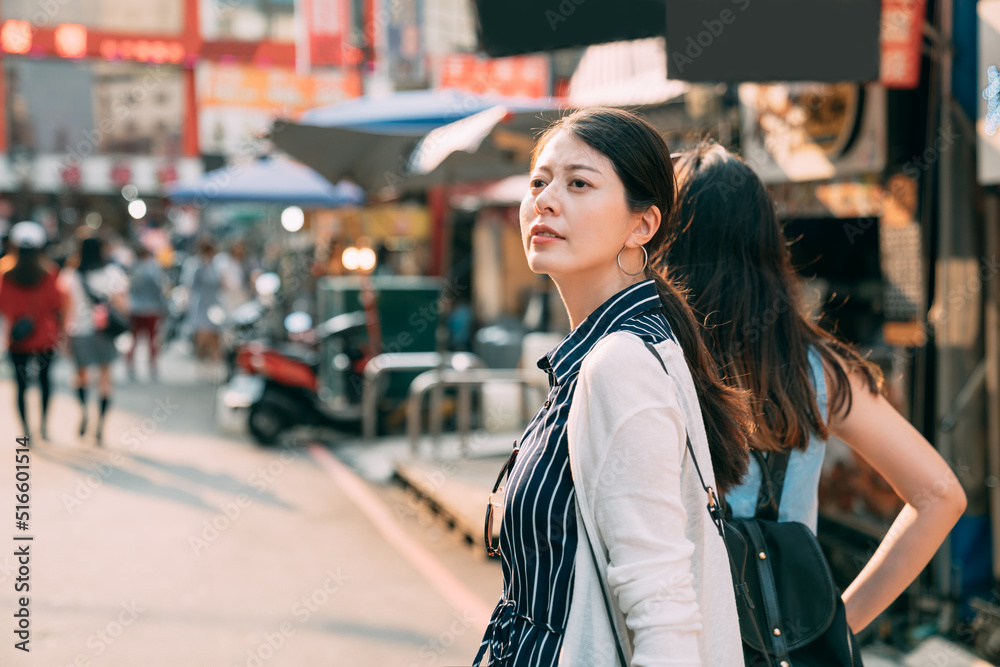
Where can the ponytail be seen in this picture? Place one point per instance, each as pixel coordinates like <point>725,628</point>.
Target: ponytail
<point>724,408</point>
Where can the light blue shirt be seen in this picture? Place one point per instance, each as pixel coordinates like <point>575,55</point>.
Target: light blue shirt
<point>800,496</point>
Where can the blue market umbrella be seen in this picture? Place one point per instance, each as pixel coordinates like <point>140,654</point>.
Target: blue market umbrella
<point>370,139</point>
<point>266,181</point>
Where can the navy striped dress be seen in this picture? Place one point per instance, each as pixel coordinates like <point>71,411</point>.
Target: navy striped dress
<point>538,535</point>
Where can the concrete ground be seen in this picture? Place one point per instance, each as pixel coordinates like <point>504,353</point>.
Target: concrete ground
<point>174,545</point>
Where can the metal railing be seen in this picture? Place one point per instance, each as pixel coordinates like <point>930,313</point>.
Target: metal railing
<point>465,380</point>
<point>388,362</point>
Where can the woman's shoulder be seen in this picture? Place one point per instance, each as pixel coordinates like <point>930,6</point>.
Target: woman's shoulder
<point>623,351</point>
<point>621,369</point>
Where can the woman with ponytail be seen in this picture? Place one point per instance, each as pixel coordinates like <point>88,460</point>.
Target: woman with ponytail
<point>609,554</point>
<point>804,383</point>
<point>93,278</point>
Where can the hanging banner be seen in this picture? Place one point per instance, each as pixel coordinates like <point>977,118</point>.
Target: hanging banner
<point>236,102</point>
<point>405,45</point>
<point>902,36</point>
<point>323,31</point>
<point>516,75</point>
<point>988,121</point>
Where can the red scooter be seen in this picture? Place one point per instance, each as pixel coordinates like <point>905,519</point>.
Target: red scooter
<point>281,387</point>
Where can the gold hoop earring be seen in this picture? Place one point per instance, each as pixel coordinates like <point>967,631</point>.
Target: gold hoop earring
<point>645,262</point>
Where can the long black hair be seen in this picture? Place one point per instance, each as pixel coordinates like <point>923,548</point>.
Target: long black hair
<point>641,160</point>
<point>91,254</point>
<point>731,254</point>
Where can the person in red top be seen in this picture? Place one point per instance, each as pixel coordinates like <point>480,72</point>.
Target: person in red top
<point>34,307</point>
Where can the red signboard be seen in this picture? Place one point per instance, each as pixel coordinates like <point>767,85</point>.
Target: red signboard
<point>516,75</point>
<point>326,23</point>
<point>902,36</point>
<point>76,41</point>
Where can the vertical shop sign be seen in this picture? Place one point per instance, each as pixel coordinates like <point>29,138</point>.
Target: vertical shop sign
<point>988,118</point>
<point>405,44</point>
<point>902,36</point>
<point>322,31</point>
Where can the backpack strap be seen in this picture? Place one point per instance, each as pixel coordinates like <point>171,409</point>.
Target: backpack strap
<point>86,288</point>
<point>772,483</point>
<point>717,512</point>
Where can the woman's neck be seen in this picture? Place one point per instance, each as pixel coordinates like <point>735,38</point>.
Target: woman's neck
<point>583,294</point>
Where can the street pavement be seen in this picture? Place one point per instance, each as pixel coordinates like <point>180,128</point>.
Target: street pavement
<point>174,544</point>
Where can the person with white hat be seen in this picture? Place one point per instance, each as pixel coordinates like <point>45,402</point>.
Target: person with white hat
<point>34,306</point>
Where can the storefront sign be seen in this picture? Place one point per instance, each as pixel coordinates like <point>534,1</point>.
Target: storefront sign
<point>71,40</point>
<point>142,50</point>
<point>15,36</point>
<point>405,45</point>
<point>902,37</point>
<point>517,75</point>
<point>275,89</point>
<point>325,27</point>
<point>855,198</point>
<point>236,102</point>
<point>812,131</point>
<point>100,174</point>
<point>988,153</point>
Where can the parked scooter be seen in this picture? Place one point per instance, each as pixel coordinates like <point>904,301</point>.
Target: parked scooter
<point>280,385</point>
<point>249,321</point>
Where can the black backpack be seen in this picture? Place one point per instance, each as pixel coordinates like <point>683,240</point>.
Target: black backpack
<point>791,612</point>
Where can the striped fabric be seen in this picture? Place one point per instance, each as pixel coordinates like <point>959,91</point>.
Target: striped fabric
<point>538,535</point>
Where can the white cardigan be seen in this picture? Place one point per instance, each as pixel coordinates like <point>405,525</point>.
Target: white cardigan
<point>640,502</point>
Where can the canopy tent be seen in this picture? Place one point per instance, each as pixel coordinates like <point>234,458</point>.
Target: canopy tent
<point>490,145</point>
<point>266,181</point>
<point>371,139</point>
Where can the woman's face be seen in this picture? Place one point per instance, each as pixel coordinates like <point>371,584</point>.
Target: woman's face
<point>573,218</point>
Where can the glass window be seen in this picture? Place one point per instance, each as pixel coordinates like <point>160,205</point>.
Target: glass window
<point>87,108</point>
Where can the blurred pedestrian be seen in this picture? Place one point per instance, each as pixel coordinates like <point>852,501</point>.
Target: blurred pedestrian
<point>35,308</point>
<point>805,384</point>
<point>94,285</point>
<point>234,279</point>
<point>205,314</point>
<point>147,291</point>
<point>608,551</point>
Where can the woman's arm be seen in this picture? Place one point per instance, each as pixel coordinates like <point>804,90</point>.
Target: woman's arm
<point>922,479</point>
<point>635,424</point>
